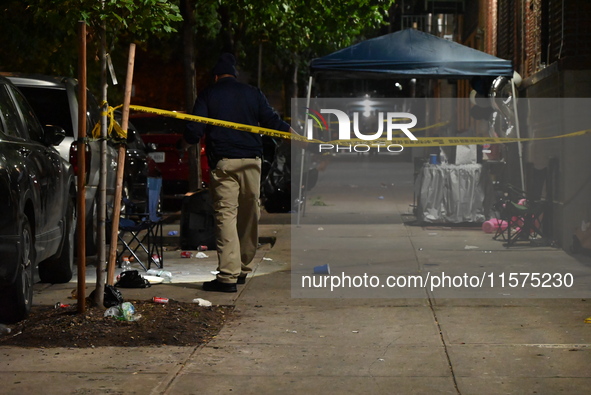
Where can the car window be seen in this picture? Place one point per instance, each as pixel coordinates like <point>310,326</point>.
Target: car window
<point>158,124</point>
<point>10,117</point>
<point>51,106</point>
<point>134,140</point>
<point>31,123</point>
<point>93,112</point>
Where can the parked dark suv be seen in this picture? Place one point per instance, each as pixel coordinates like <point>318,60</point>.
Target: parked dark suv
<point>55,101</point>
<point>37,214</point>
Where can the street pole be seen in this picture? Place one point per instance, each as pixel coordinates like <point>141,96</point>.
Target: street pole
<point>519,146</point>
<point>300,204</point>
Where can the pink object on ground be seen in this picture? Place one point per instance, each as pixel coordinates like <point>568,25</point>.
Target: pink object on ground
<point>493,224</point>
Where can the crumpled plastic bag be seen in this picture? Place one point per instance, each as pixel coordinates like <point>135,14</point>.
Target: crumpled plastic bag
<point>123,312</point>
<point>202,302</point>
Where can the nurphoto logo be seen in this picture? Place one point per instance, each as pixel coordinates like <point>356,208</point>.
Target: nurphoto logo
<point>393,121</point>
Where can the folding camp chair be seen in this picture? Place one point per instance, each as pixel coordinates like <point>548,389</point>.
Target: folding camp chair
<point>523,222</point>
<point>520,221</point>
<point>142,232</point>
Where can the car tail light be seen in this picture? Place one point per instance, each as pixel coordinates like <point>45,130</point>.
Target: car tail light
<point>74,157</point>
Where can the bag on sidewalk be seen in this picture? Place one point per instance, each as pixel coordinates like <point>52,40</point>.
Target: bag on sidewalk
<point>111,297</point>
<point>132,279</point>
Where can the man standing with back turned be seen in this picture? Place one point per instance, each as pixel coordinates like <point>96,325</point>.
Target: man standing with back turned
<point>235,162</point>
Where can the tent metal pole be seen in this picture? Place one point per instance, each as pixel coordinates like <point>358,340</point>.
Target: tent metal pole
<point>519,146</point>
<point>300,205</point>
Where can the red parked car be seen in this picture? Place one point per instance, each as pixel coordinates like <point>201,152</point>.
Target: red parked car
<point>163,137</point>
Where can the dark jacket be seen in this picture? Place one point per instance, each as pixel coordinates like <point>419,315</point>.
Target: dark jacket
<point>233,101</point>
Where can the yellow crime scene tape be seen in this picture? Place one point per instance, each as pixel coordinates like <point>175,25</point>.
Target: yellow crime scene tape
<point>111,125</point>
<point>421,142</point>
<point>217,122</point>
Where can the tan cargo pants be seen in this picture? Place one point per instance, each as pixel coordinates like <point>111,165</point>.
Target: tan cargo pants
<point>235,189</point>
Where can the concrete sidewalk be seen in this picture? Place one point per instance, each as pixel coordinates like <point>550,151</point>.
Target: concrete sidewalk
<point>275,343</point>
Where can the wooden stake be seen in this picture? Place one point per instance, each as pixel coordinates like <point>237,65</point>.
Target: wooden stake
<point>120,169</point>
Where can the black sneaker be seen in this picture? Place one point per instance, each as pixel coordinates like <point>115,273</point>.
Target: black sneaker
<point>216,286</point>
<point>241,279</point>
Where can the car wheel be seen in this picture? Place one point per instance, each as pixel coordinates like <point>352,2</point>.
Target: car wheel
<point>59,268</point>
<point>18,297</point>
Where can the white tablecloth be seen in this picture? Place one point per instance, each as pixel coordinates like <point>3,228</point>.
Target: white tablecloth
<point>450,193</point>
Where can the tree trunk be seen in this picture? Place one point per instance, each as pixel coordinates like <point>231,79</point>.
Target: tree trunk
<point>290,85</point>
<point>188,13</point>
<point>81,195</point>
<point>102,210</point>
<point>226,31</point>
<point>294,80</point>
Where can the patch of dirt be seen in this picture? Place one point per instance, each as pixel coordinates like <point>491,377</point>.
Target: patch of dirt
<point>172,324</point>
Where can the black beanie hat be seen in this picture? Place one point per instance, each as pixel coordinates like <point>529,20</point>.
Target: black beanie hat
<point>225,65</point>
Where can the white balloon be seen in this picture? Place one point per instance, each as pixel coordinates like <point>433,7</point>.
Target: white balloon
<point>517,80</point>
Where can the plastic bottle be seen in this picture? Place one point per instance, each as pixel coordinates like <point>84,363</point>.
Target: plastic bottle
<point>125,264</point>
<point>167,276</point>
<point>127,312</point>
<point>442,157</point>
<point>156,259</point>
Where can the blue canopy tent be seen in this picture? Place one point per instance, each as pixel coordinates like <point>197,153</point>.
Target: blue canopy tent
<point>411,53</point>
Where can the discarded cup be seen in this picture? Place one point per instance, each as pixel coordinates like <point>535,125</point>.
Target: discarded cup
<point>322,269</point>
